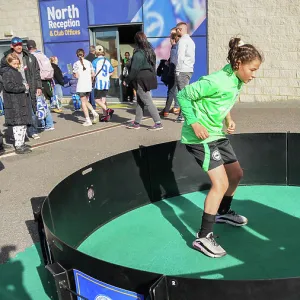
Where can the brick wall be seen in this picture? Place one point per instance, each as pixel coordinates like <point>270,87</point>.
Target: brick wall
<point>21,17</point>
<point>273,26</point>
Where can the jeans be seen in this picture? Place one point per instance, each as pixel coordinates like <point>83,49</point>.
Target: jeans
<point>48,121</point>
<point>144,100</point>
<point>182,80</point>
<point>32,129</point>
<point>92,99</point>
<point>171,95</point>
<point>58,91</point>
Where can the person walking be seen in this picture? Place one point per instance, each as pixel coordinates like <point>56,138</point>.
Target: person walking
<point>142,77</point>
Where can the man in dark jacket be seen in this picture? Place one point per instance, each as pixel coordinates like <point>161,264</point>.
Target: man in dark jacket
<point>92,55</point>
<point>31,74</point>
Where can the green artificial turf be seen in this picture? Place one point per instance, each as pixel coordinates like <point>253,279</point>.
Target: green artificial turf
<point>23,277</point>
<point>158,237</point>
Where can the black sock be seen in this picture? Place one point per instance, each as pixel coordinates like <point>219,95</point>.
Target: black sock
<point>225,205</point>
<point>206,225</point>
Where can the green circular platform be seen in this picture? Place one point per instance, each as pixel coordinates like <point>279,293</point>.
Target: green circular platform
<point>158,237</point>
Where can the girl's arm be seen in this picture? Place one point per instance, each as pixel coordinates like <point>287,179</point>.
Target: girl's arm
<point>11,86</point>
<point>194,92</point>
<point>92,71</point>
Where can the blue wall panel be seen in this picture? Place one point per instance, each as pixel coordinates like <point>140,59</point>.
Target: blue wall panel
<point>114,11</point>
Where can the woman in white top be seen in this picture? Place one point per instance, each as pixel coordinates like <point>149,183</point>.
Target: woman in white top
<point>83,70</point>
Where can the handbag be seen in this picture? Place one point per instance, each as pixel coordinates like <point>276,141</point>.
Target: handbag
<point>94,80</point>
<point>42,107</point>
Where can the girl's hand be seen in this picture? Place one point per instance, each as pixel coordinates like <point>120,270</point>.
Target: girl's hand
<point>230,126</point>
<point>200,131</point>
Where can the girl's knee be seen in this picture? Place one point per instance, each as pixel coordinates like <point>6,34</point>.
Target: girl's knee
<point>221,186</point>
<point>237,175</point>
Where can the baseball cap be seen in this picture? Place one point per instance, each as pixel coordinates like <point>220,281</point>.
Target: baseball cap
<point>31,44</point>
<point>16,40</point>
<point>99,48</point>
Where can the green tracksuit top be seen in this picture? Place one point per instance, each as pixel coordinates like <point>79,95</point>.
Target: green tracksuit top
<point>208,101</point>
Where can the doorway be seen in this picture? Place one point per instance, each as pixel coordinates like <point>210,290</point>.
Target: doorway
<point>116,40</point>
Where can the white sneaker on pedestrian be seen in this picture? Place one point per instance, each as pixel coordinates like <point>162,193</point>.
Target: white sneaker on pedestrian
<point>87,123</point>
<point>49,129</point>
<point>96,119</point>
<point>35,136</point>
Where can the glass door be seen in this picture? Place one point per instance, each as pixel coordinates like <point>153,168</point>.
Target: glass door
<point>108,38</point>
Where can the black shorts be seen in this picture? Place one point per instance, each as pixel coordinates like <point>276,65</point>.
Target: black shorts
<point>212,155</point>
<point>87,94</point>
<point>98,94</point>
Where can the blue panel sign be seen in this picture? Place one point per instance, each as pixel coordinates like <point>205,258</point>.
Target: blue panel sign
<point>161,16</point>
<point>93,289</point>
<point>107,12</point>
<point>64,20</point>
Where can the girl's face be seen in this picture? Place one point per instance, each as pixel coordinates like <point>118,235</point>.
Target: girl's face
<point>15,64</point>
<point>246,72</point>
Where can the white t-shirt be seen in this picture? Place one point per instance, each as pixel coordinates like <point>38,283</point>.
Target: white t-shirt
<point>84,84</point>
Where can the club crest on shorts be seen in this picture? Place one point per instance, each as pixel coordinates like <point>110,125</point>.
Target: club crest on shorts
<point>216,155</point>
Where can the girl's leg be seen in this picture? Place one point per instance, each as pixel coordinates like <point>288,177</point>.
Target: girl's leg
<point>139,111</point>
<point>102,103</point>
<point>225,214</point>
<point>219,186</point>
<point>84,103</point>
<point>234,173</point>
<point>205,241</point>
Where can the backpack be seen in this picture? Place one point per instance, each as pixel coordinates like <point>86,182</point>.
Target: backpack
<point>46,70</point>
<point>76,101</point>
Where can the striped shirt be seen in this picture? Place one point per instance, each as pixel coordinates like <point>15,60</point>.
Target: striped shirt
<point>102,81</point>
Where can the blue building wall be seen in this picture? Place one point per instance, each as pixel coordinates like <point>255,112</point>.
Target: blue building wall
<point>65,26</point>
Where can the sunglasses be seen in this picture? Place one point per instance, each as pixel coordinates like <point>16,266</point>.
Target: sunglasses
<point>17,44</point>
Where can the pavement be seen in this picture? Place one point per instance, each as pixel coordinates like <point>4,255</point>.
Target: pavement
<point>71,146</point>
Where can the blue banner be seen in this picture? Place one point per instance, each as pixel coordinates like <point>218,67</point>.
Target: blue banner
<point>93,289</point>
<point>64,20</point>
<point>106,12</point>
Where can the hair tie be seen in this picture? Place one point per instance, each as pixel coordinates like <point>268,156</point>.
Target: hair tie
<point>241,43</point>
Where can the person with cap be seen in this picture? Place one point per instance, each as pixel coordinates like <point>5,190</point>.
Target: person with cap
<point>46,70</point>
<point>103,69</point>
<point>30,71</point>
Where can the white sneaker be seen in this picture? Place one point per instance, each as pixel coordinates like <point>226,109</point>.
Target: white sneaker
<point>87,123</point>
<point>35,136</point>
<point>208,246</point>
<point>96,119</point>
<point>232,218</point>
<point>49,129</point>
